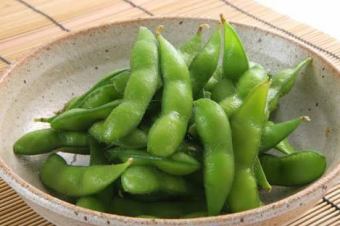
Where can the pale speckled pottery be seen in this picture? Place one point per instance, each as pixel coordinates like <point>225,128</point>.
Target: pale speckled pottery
<point>40,84</point>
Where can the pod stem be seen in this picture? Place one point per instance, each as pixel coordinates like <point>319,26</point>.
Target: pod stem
<point>42,120</point>
<point>202,27</point>
<point>305,118</point>
<point>222,18</point>
<point>302,64</point>
<point>159,29</point>
<point>129,161</point>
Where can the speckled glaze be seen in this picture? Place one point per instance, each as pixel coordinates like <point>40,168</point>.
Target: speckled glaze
<point>43,81</point>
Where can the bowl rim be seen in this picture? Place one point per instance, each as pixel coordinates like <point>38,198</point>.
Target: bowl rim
<point>41,198</point>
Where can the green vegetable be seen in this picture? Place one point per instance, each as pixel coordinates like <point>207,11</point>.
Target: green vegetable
<point>78,181</point>
<point>205,63</point>
<point>192,47</point>
<point>295,169</point>
<point>138,93</point>
<point>78,119</point>
<point>168,132</point>
<point>235,60</point>
<point>247,124</point>
<point>179,163</point>
<point>47,140</point>
<point>214,131</point>
<point>148,180</point>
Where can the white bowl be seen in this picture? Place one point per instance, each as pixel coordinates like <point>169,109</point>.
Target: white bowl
<point>42,82</point>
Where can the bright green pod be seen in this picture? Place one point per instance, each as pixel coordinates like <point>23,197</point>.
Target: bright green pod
<point>205,63</point>
<point>168,131</point>
<point>235,60</point>
<point>78,119</point>
<point>192,47</point>
<point>139,180</point>
<point>285,147</point>
<point>260,176</point>
<point>102,200</point>
<point>223,89</point>
<point>246,125</point>
<point>282,82</point>
<point>47,140</point>
<point>178,164</point>
<point>140,89</point>
<point>231,104</point>
<point>106,80</point>
<point>214,131</point>
<point>295,169</point>
<point>214,79</point>
<point>274,133</point>
<point>107,93</point>
<point>136,139</point>
<point>247,82</point>
<point>78,181</point>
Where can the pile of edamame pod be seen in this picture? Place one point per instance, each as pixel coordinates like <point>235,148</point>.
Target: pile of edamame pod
<point>184,132</point>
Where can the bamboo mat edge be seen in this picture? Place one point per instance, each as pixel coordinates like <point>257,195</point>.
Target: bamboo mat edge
<point>53,21</point>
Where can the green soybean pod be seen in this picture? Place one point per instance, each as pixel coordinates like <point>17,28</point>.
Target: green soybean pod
<point>168,131</point>
<point>285,147</point>
<point>138,93</point>
<point>282,82</point>
<point>46,140</point>
<point>235,60</point>
<point>247,124</point>
<point>214,130</point>
<point>191,48</point>
<point>274,133</point>
<point>260,176</point>
<point>78,119</point>
<point>178,164</point>
<point>102,95</point>
<point>222,90</point>
<point>78,181</point>
<point>136,139</point>
<point>104,81</point>
<point>295,169</point>
<point>102,200</point>
<point>148,180</point>
<point>108,92</point>
<point>205,63</point>
<point>249,80</point>
<point>214,79</point>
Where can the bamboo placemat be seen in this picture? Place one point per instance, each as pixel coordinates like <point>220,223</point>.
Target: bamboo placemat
<point>27,24</point>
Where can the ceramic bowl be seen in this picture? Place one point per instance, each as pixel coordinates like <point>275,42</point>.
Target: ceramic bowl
<point>39,85</point>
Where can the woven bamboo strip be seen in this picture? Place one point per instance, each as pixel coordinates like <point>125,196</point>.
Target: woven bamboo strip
<point>332,221</point>
<point>312,212</point>
<point>322,220</point>
<point>23,30</point>
<point>186,8</point>
<point>307,219</point>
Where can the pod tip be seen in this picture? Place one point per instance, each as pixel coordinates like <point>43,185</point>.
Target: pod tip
<point>159,29</point>
<point>222,18</point>
<point>268,188</point>
<point>305,118</point>
<point>202,27</point>
<point>41,120</point>
<point>129,161</point>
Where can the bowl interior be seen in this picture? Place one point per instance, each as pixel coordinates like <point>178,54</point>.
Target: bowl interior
<point>43,83</point>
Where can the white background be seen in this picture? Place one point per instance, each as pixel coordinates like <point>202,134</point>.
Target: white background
<point>323,15</point>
